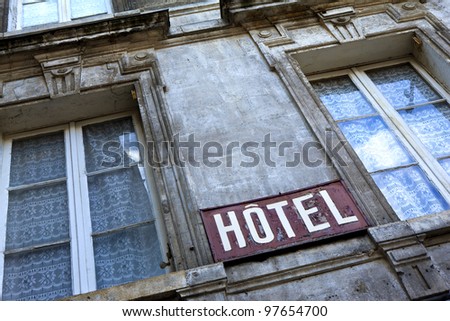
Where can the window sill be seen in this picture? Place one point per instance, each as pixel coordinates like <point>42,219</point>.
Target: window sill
<point>431,224</point>
<point>171,286</point>
<point>427,226</point>
<point>156,288</point>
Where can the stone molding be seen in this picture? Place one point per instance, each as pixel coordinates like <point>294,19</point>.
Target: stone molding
<point>343,24</point>
<point>235,11</point>
<point>63,76</point>
<point>78,32</point>
<point>141,60</point>
<point>407,11</point>
<point>204,280</point>
<point>408,256</point>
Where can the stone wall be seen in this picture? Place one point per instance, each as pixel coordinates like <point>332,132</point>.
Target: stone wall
<point>236,99</point>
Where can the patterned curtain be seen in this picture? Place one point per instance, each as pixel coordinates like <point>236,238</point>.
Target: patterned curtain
<point>375,143</point>
<point>37,217</point>
<point>409,192</point>
<point>421,107</point>
<point>394,170</point>
<point>342,98</point>
<point>37,263</point>
<point>126,246</point>
<point>402,86</point>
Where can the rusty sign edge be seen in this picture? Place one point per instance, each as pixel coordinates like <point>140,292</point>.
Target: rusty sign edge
<point>252,249</point>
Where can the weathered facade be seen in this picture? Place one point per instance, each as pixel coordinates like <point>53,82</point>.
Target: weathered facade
<point>235,72</point>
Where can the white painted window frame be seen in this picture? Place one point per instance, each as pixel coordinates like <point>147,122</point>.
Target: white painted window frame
<point>15,19</point>
<point>81,239</point>
<point>426,161</point>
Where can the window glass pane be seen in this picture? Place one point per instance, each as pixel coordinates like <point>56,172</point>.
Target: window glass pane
<point>402,86</point>
<point>37,216</point>
<point>39,12</point>
<point>118,199</point>
<point>410,193</point>
<point>85,8</point>
<point>38,159</point>
<point>375,144</point>
<point>431,124</point>
<point>109,144</point>
<point>342,98</point>
<point>445,163</point>
<point>127,256</point>
<point>43,274</point>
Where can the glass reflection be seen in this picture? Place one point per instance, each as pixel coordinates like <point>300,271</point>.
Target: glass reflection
<point>431,123</point>
<point>402,86</point>
<point>410,193</point>
<point>342,98</point>
<point>375,144</point>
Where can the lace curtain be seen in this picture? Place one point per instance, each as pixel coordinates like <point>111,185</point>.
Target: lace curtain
<point>38,275</point>
<point>342,98</point>
<point>118,199</point>
<point>409,192</point>
<point>37,216</point>
<point>127,256</point>
<point>402,86</point>
<point>126,247</point>
<point>106,144</point>
<point>125,238</point>
<point>375,143</point>
<point>37,159</point>
<point>431,123</point>
<point>405,186</point>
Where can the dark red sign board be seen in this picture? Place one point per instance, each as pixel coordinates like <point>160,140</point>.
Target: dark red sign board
<point>271,223</point>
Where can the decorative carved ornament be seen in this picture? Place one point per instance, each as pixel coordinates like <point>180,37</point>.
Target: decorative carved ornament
<point>141,60</point>
<point>408,256</point>
<point>62,75</point>
<point>341,23</point>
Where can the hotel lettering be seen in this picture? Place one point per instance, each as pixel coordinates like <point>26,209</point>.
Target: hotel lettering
<point>277,222</point>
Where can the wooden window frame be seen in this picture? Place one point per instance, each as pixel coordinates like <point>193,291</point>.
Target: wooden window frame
<point>81,236</point>
<point>424,159</point>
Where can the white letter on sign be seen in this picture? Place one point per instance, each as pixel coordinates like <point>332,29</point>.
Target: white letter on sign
<point>233,227</point>
<point>278,207</point>
<point>264,224</point>
<point>337,215</point>
<point>304,213</point>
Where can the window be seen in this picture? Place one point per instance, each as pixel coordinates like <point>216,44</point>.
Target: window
<point>38,12</point>
<point>77,209</point>
<point>397,119</point>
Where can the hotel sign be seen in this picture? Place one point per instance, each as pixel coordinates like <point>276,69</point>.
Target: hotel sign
<point>267,224</point>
